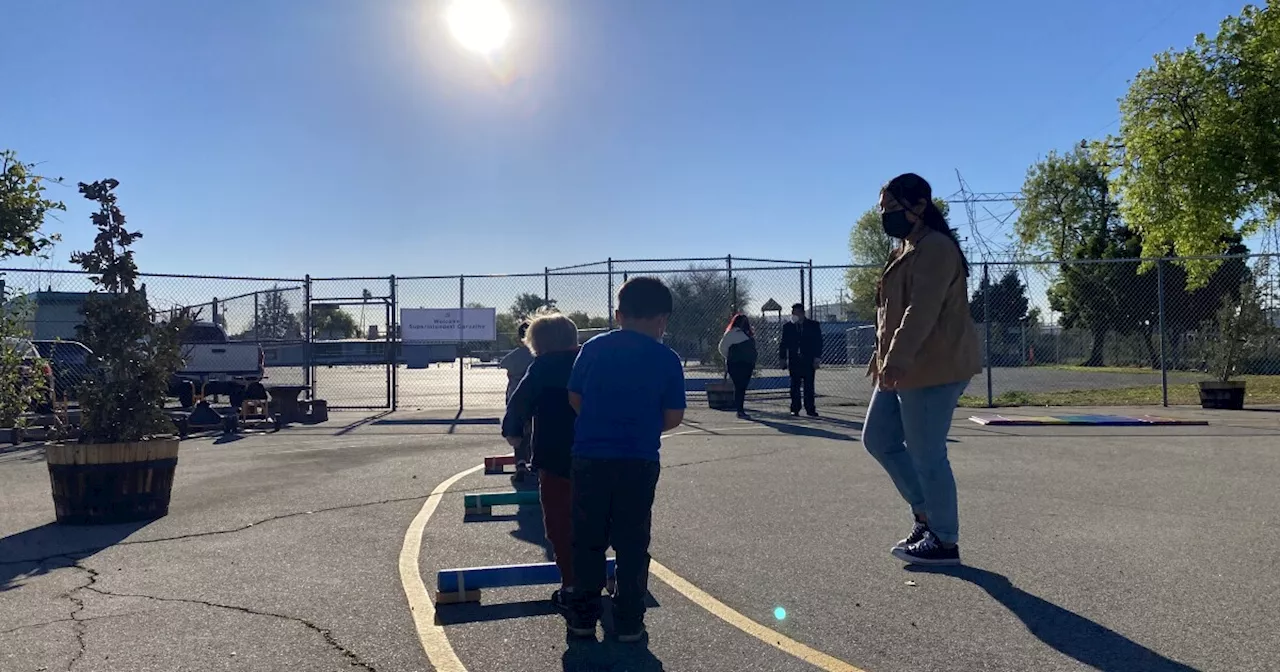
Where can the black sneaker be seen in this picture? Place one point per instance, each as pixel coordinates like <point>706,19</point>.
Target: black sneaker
<point>742,415</point>
<point>629,633</point>
<point>795,413</point>
<point>812,414</point>
<point>561,603</point>
<point>917,533</point>
<point>928,551</point>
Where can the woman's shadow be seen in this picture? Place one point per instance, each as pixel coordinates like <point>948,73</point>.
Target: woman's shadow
<point>1069,633</point>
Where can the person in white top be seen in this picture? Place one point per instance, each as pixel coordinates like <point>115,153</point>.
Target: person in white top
<point>738,347</point>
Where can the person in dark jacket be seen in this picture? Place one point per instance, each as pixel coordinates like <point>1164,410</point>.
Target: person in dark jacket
<point>738,347</point>
<point>516,363</point>
<point>542,397</point>
<point>800,352</point>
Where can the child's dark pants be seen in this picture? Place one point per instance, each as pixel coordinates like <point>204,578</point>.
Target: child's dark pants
<point>612,506</point>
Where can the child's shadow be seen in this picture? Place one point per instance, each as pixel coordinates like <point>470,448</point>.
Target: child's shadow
<point>589,655</point>
<point>530,529</point>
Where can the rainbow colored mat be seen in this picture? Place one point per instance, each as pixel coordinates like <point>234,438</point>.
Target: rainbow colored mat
<point>1090,420</point>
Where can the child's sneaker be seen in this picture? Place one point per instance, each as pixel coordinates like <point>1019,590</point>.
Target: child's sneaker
<point>560,601</point>
<point>579,626</point>
<point>631,632</point>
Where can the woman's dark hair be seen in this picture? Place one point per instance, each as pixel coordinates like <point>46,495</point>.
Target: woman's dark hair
<point>908,189</point>
<point>740,321</point>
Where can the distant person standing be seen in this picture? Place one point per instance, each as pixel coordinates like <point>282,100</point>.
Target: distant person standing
<point>800,352</point>
<point>516,364</point>
<point>738,347</point>
<point>926,352</point>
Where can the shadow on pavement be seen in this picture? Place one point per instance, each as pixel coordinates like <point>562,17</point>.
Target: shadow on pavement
<point>529,529</point>
<point>805,430</point>
<point>589,655</point>
<point>361,423</point>
<point>1067,632</point>
<point>22,555</point>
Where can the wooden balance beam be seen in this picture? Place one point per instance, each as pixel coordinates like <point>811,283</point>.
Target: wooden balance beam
<point>463,584</point>
<point>496,464</point>
<point>481,503</point>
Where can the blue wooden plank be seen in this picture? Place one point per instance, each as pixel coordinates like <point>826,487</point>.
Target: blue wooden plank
<point>504,576</point>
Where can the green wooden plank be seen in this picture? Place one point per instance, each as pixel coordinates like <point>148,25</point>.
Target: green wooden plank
<point>482,499</point>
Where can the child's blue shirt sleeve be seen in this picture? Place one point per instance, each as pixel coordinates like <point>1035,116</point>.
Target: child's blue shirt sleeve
<point>673,397</point>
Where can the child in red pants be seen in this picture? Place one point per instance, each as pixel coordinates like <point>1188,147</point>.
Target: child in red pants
<point>542,396</point>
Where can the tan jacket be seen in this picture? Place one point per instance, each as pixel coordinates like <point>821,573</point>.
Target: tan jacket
<point>923,324</point>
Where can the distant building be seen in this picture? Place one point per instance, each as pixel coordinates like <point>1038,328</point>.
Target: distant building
<point>50,315</point>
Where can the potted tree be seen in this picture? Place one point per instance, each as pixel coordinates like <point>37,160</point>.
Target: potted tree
<point>1231,337</point>
<point>123,465</point>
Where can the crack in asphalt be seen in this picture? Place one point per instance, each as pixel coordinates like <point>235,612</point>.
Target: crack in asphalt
<point>325,633</point>
<point>77,605</point>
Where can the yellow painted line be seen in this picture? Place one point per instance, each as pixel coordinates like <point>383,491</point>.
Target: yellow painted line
<point>727,614</point>
<point>442,657</point>
<point>434,642</point>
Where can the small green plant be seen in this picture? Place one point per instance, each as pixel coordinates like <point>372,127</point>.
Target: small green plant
<point>136,352</point>
<point>23,383</point>
<point>1235,332</point>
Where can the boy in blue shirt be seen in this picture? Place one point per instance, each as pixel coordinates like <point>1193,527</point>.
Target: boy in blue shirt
<point>628,388</point>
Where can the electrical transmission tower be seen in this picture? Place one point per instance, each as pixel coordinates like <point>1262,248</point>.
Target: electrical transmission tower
<point>988,249</point>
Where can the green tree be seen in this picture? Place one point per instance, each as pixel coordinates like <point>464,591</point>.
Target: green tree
<point>527,304</point>
<point>1008,299</point>
<point>23,208</point>
<point>1067,198</point>
<point>583,321</point>
<point>869,249</point>
<point>331,322</point>
<point>276,320</point>
<point>124,396</point>
<point>704,300</point>
<point>1201,158</point>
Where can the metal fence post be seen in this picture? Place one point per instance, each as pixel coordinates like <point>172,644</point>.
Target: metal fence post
<point>733,286</point>
<point>609,310</point>
<point>811,304</point>
<point>214,305</point>
<point>1164,368</point>
<point>393,347</point>
<point>802,303</point>
<point>256,336</point>
<point>308,373</point>
<point>462,303</point>
<point>546,285</point>
<point>986,318</point>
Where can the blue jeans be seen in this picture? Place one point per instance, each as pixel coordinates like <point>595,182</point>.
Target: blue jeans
<point>906,431</point>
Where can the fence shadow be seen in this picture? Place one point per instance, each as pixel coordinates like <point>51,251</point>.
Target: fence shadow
<point>1069,633</point>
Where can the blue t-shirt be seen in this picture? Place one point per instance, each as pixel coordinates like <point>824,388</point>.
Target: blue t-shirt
<point>626,380</point>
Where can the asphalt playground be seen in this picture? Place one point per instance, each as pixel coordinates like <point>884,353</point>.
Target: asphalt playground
<point>315,548</point>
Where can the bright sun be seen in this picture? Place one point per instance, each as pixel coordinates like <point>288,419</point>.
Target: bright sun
<point>479,25</point>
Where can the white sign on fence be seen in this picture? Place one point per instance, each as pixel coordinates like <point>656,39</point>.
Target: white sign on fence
<point>448,324</point>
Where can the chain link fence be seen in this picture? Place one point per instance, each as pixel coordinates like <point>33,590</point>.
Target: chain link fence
<point>1114,331</point>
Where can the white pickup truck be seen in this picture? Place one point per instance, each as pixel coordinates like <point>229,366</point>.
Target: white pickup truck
<point>216,365</point>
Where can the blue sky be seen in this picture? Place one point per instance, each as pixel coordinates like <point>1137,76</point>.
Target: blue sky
<point>354,137</point>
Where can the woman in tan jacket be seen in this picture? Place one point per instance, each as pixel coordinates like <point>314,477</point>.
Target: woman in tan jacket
<point>926,352</point>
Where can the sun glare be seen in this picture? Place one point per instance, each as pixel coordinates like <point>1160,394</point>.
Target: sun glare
<point>482,26</point>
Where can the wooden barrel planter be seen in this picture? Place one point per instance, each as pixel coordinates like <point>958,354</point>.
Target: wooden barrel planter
<point>96,484</point>
<point>720,395</point>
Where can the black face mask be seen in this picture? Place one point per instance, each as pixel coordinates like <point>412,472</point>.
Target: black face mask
<point>896,224</point>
